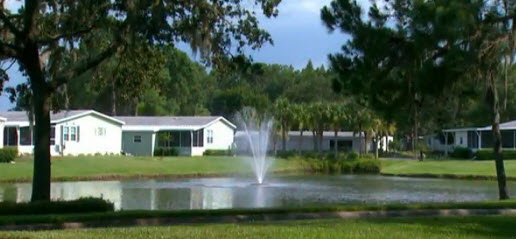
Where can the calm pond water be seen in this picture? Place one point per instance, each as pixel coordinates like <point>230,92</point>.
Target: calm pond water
<point>218,193</point>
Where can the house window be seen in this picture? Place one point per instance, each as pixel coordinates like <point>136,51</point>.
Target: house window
<point>100,131</point>
<point>137,139</point>
<point>71,133</point>
<point>66,134</point>
<point>210,136</point>
<point>25,136</point>
<point>461,140</point>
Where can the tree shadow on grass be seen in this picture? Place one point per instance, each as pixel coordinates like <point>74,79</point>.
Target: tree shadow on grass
<point>478,226</point>
<point>432,227</point>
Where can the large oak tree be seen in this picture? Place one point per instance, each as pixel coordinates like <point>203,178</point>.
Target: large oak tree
<point>43,37</point>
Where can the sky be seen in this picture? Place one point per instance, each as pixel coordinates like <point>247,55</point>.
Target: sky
<point>298,34</point>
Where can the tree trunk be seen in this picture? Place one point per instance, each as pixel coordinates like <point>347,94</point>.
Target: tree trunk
<point>321,133</point>
<point>41,176</point>
<point>314,137</point>
<point>376,146</point>
<point>360,135</point>
<point>335,144</point>
<point>365,142</point>
<point>416,137</point>
<point>113,99</point>
<point>67,97</point>
<point>497,140</point>
<point>41,103</point>
<point>300,144</point>
<point>284,138</point>
<point>136,106</point>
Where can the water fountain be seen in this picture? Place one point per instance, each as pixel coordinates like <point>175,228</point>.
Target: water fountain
<point>257,131</point>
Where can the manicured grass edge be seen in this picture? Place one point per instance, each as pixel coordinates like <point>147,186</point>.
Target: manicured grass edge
<point>149,176</point>
<point>446,176</point>
<point>120,216</point>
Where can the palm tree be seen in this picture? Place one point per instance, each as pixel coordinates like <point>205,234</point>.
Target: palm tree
<point>300,118</point>
<point>337,121</point>
<point>284,116</point>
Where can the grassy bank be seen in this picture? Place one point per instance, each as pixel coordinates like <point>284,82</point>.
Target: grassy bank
<point>459,168</point>
<point>103,167</point>
<point>185,214</point>
<point>411,228</point>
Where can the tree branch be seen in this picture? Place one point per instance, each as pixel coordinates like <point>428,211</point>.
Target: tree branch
<point>8,50</point>
<point>9,24</point>
<point>82,67</point>
<point>66,35</point>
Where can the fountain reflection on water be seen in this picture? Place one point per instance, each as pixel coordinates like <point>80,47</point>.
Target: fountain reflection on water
<point>257,131</point>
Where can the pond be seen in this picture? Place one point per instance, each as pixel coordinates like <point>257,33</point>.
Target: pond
<point>219,193</point>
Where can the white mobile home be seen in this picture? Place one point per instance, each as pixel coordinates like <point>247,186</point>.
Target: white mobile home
<point>142,135</point>
<point>2,124</point>
<point>72,133</point>
<point>474,138</point>
<point>346,142</point>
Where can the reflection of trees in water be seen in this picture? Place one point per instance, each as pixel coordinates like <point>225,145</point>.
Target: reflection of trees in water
<point>9,193</point>
<point>176,198</point>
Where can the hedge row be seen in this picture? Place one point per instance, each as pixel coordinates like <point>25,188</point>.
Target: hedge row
<point>217,152</point>
<point>462,153</point>
<point>317,155</point>
<point>488,154</point>
<point>340,165</point>
<point>163,152</point>
<point>82,205</point>
<point>8,154</point>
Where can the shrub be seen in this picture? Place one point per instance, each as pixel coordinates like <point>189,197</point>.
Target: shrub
<point>487,154</point>
<point>367,166</point>
<point>82,205</point>
<point>462,153</point>
<point>342,165</point>
<point>352,156</point>
<point>163,152</point>
<point>286,154</point>
<point>310,154</point>
<point>8,154</point>
<point>217,152</point>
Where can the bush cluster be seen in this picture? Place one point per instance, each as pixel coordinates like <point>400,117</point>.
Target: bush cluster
<point>217,152</point>
<point>487,154</point>
<point>163,152</point>
<point>462,153</point>
<point>286,154</point>
<point>82,205</point>
<point>340,164</point>
<point>8,154</point>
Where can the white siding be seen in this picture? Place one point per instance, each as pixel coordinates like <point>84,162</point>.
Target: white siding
<point>89,142</point>
<point>143,148</point>
<point>223,136</point>
<point>2,124</point>
<point>461,136</point>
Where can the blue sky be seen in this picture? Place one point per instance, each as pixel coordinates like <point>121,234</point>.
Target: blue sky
<point>298,34</point>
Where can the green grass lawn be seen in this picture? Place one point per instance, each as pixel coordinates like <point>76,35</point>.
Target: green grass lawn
<point>68,168</point>
<point>412,228</point>
<point>439,167</point>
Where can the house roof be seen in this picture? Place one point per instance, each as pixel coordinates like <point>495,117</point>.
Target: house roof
<point>20,118</point>
<point>506,125</point>
<point>347,134</point>
<point>503,126</point>
<point>155,123</point>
